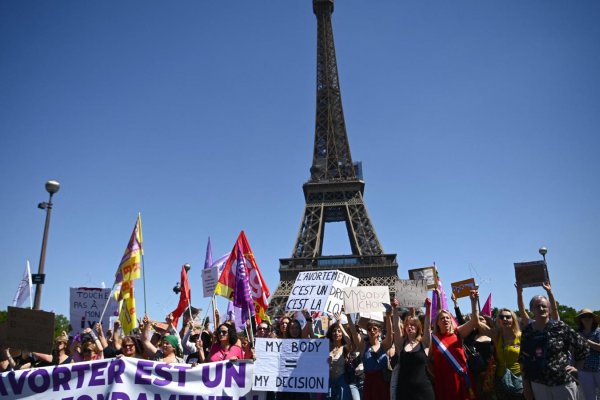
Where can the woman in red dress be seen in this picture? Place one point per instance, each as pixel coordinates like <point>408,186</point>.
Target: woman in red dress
<point>452,380</point>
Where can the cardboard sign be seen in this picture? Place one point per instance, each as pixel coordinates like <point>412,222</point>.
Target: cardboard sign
<point>319,291</point>
<point>31,330</point>
<point>411,293</point>
<point>532,273</point>
<point>463,288</point>
<point>428,273</point>
<point>366,299</point>
<point>291,365</point>
<point>86,305</point>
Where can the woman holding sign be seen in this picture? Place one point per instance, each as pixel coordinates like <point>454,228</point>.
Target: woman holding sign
<point>412,344</point>
<point>340,346</point>
<point>451,376</point>
<point>374,357</point>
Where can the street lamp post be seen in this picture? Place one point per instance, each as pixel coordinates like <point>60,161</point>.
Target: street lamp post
<point>543,251</point>
<point>52,187</point>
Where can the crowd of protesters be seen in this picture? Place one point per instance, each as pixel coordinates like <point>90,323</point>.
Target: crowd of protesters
<point>411,355</point>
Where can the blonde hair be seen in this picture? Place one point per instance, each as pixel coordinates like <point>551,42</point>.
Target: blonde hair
<point>515,323</point>
<point>436,328</point>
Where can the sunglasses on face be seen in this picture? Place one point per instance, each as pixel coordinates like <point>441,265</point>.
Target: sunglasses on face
<point>263,328</point>
<point>223,332</point>
<point>505,316</point>
<point>129,345</point>
<point>373,329</point>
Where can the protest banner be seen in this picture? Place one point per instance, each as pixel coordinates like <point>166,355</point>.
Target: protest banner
<point>411,293</point>
<point>32,330</point>
<point>366,299</point>
<point>463,288</point>
<point>291,365</point>
<point>532,273</point>
<point>319,291</point>
<point>210,277</point>
<point>428,273</point>
<point>132,379</point>
<point>86,305</point>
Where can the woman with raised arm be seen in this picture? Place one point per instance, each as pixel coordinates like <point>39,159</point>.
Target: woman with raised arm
<point>374,357</point>
<point>412,342</point>
<point>451,376</point>
<point>340,345</point>
<point>169,350</point>
<point>506,337</point>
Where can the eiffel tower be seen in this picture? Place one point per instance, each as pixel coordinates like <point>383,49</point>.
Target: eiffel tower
<point>334,192</point>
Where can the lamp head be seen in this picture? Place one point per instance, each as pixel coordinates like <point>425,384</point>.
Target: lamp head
<point>177,288</point>
<point>543,251</point>
<point>187,267</point>
<point>52,186</point>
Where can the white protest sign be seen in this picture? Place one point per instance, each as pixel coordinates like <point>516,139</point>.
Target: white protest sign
<point>210,276</point>
<point>132,379</point>
<point>86,305</point>
<point>411,293</point>
<point>291,365</point>
<point>319,291</point>
<point>366,299</point>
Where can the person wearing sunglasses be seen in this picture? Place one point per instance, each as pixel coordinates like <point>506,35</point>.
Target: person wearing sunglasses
<point>589,375</point>
<point>263,330</point>
<point>225,347</point>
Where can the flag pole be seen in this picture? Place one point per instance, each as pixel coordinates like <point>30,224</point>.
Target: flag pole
<point>30,285</point>
<point>107,301</point>
<point>143,266</point>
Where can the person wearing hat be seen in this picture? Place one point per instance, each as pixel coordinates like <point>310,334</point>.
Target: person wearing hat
<point>61,354</point>
<point>589,375</point>
<point>168,351</point>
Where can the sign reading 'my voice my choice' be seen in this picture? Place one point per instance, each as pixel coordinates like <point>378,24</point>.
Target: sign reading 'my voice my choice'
<point>320,291</point>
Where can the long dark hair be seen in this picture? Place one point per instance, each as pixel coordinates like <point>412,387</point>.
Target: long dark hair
<point>232,334</point>
<point>332,327</point>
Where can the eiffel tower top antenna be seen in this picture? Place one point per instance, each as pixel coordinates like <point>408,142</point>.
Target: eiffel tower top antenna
<point>331,156</point>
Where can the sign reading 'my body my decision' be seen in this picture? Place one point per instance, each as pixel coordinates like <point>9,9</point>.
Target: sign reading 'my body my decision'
<point>291,365</point>
<point>411,293</point>
<point>366,299</point>
<point>86,305</point>
<point>319,291</point>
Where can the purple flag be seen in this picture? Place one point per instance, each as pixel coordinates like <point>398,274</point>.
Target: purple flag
<point>208,259</point>
<point>241,292</point>
<point>235,314</point>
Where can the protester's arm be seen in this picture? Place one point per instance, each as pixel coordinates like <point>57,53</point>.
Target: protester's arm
<point>95,338</point>
<point>117,337</point>
<point>553,304</point>
<point>217,318</point>
<point>521,305</point>
<point>388,341</point>
<point>11,362</point>
<point>148,346</point>
<point>308,331</point>
<point>459,317</point>
<point>465,329</point>
<point>427,324</point>
<point>397,326</point>
<point>100,333</point>
<point>436,293</point>
<point>188,346</point>
<point>43,357</point>
<point>356,338</point>
<point>345,335</point>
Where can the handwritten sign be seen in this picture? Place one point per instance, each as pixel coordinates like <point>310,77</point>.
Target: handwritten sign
<point>31,330</point>
<point>319,291</point>
<point>210,276</point>
<point>532,273</point>
<point>428,273</point>
<point>463,288</point>
<point>366,299</point>
<point>411,293</point>
<point>86,305</point>
<point>291,365</point>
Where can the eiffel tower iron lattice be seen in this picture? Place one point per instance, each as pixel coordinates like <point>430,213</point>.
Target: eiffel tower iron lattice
<point>334,192</point>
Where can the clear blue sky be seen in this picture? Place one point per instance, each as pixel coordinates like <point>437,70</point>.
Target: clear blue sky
<point>476,122</point>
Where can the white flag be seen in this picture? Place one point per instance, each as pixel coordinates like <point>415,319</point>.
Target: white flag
<point>24,289</point>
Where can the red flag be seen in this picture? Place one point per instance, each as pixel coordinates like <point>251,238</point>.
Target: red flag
<point>258,288</point>
<point>185,297</point>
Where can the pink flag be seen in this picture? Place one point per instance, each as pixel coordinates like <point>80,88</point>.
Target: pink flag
<point>487,307</point>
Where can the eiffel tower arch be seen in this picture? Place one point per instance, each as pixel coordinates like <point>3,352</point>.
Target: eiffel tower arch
<point>334,191</point>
